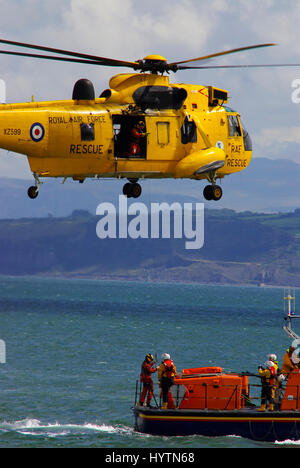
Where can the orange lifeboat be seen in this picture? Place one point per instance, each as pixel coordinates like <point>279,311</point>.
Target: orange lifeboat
<point>210,402</point>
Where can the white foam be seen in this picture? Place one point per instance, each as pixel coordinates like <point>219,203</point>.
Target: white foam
<point>35,427</point>
<point>287,442</point>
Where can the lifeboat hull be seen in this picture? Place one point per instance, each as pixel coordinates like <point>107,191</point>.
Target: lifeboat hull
<point>249,423</point>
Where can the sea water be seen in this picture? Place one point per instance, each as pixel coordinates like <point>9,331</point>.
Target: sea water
<point>74,350</point>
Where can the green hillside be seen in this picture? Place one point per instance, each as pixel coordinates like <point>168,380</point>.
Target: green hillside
<point>246,248</point>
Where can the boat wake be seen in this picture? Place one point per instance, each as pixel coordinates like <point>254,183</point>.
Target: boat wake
<point>35,427</point>
<point>288,442</point>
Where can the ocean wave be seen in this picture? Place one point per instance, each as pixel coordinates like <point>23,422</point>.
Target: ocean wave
<point>288,442</point>
<point>30,426</point>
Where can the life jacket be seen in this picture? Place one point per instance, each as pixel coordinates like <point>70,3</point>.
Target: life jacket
<point>136,134</point>
<point>169,368</point>
<point>269,379</point>
<point>273,371</point>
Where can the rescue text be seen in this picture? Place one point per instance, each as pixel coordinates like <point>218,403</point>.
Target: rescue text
<point>86,149</point>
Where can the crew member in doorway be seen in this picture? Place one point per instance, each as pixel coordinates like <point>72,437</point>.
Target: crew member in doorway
<point>137,133</point>
<point>166,374</point>
<point>145,377</point>
<point>268,386</point>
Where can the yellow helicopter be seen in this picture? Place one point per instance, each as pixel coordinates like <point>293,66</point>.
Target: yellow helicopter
<point>141,127</point>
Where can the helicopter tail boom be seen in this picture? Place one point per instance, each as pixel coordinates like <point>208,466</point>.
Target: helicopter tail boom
<point>20,130</point>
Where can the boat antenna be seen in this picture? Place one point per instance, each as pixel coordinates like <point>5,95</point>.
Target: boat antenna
<point>289,302</point>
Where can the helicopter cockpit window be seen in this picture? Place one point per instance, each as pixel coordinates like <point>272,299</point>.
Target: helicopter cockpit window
<point>246,138</point>
<point>159,97</point>
<point>234,126</point>
<point>188,132</point>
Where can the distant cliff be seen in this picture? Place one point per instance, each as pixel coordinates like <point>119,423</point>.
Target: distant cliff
<point>246,248</point>
<point>265,186</point>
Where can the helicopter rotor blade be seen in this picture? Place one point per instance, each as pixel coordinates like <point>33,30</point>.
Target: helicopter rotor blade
<point>50,57</point>
<point>94,58</point>
<point>268,65</point>
<point>78,57</point>
<point>225,52</point>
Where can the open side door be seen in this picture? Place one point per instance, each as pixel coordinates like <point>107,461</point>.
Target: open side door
<point>126,144</point>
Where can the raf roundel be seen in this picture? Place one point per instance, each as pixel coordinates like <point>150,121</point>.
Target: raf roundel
<point>37,132</point>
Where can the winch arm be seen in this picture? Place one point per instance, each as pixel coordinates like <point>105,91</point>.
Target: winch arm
<point>288,329</point>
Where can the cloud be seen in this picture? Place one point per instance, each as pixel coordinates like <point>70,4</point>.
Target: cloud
<point>279,142</point>
<point>281,134</point>
<point>129,30</point>
<point>14,166</point>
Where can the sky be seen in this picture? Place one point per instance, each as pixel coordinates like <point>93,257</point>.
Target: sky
<point>268,99</point>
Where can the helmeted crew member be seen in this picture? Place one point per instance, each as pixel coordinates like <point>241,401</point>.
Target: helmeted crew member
<point>268,385</point>
<point>288,365</point>
<point>145,377</point>
<point>273,358</point>
<point>137,133</point>
<point>277,384</point>
<point>166,374</point>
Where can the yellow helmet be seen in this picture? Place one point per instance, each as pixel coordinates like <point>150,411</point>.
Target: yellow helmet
<point>149,357</point>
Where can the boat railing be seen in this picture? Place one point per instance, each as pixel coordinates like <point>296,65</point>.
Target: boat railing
<point>209,396</point>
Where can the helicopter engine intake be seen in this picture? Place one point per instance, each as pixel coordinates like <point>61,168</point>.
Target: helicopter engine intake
<point>83,90</point>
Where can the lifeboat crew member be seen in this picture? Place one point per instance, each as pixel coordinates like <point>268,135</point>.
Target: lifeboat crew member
<point>288,365</point>
<point>166,374</point>
<point>137,133</point>
<point>273,358</point>
<point>268,385</point>
<point>145,377</point>
<point>277,383</point>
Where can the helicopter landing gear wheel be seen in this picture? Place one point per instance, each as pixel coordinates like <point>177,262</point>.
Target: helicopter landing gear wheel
<point>207,192</point>
<point>136,190</point>
<point>126,190</point>
<point>133,190</point>
<point>212,192</point>
<point>217,192</point>
<point>32,192</point>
